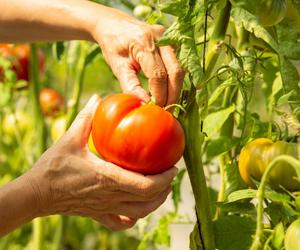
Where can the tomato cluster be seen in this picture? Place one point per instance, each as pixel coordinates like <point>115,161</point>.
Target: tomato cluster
<point>19,57</point>
<point>139,137</point>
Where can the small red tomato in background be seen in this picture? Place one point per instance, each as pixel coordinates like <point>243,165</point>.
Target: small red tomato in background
<point>51,102</point>
<point>140,137</point>
<point>19,56</point>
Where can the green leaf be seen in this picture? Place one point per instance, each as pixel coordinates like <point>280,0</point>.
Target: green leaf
<point>176,184</point>
<point>92,54</point>
<point>251,193</point>
<point>214,121</point>
<point>290,78</point>
<point>5,93</point>
<point>220,146</point>
<point>234,231</point>
<point>161,233</point>
<point>177,8</point>
<point>284,99</point>
<point>280,212</point>
<point>195,242</point>
<point>58,50</point>
<point>244,18</point>
<point>288,38</point>
<point>278,236</point>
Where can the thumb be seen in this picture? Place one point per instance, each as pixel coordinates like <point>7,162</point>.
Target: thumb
<point>82,125</point>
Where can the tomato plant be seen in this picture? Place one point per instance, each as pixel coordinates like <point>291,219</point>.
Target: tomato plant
<point>256,156</point>
<point>51,102</point>
<point>19,56</point>
<point>292,237</point>
<point>142,138</point>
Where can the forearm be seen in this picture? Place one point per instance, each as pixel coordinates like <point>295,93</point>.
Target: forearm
<point>18,204</point>
<point>48,20</point>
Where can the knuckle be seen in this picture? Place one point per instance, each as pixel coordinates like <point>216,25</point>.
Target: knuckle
<point>159,74</point>
<point>177,71</point>
<point>159,29</point>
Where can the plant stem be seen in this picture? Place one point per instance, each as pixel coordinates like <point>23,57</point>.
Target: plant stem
<point>80,69</point>
<point>193,160</point>
<point>38,231</point>
<point>217,38</point>
<point>257,243</point>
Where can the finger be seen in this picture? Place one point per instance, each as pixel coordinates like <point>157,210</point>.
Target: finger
<point>135,183</point>
<point>82,124</point>
<point>130,83</point>
<point>154,69</point>
<point>116,222</point>
<point>175,73</point>
<point>141,209</point>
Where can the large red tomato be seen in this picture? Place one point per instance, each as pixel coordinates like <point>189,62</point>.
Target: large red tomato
<point>140,137</point>
<point>19,57</point>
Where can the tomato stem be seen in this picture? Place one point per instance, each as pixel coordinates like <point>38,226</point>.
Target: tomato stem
<point>175,105</point>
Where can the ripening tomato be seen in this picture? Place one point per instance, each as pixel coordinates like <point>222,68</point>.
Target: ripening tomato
<point>256,156</point>
<point>51,101</point>
<point>292,236</point>
<point>271,12</point>
<point>19,57</point>
<point>139,137</point>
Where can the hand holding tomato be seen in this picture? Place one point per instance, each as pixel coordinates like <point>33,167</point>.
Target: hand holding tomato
<point>68,179</point>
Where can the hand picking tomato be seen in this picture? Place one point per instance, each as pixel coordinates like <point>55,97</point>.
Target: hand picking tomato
<point>19,56</point>
<point>139,137</point>
<point>51,101</point>
<point>292,236</point>
<point>256,156</point>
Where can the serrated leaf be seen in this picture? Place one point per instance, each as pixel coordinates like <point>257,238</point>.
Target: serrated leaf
<point>214,121</point>
<point>244,18</point>
<point>234,231</point>
<point>177,8</point>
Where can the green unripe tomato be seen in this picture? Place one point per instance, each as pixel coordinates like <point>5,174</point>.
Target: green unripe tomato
<point>292,236</point>
<point>142,11</point>
<point>11,122</point>
<point>270,12</point>
<point>256,156</point>
<point>58,128</point>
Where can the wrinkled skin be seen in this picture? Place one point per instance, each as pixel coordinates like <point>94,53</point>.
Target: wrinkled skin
<point>68,179</point>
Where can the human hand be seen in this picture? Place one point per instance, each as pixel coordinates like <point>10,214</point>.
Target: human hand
<point>128,46</point>
<point>68,179</point>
